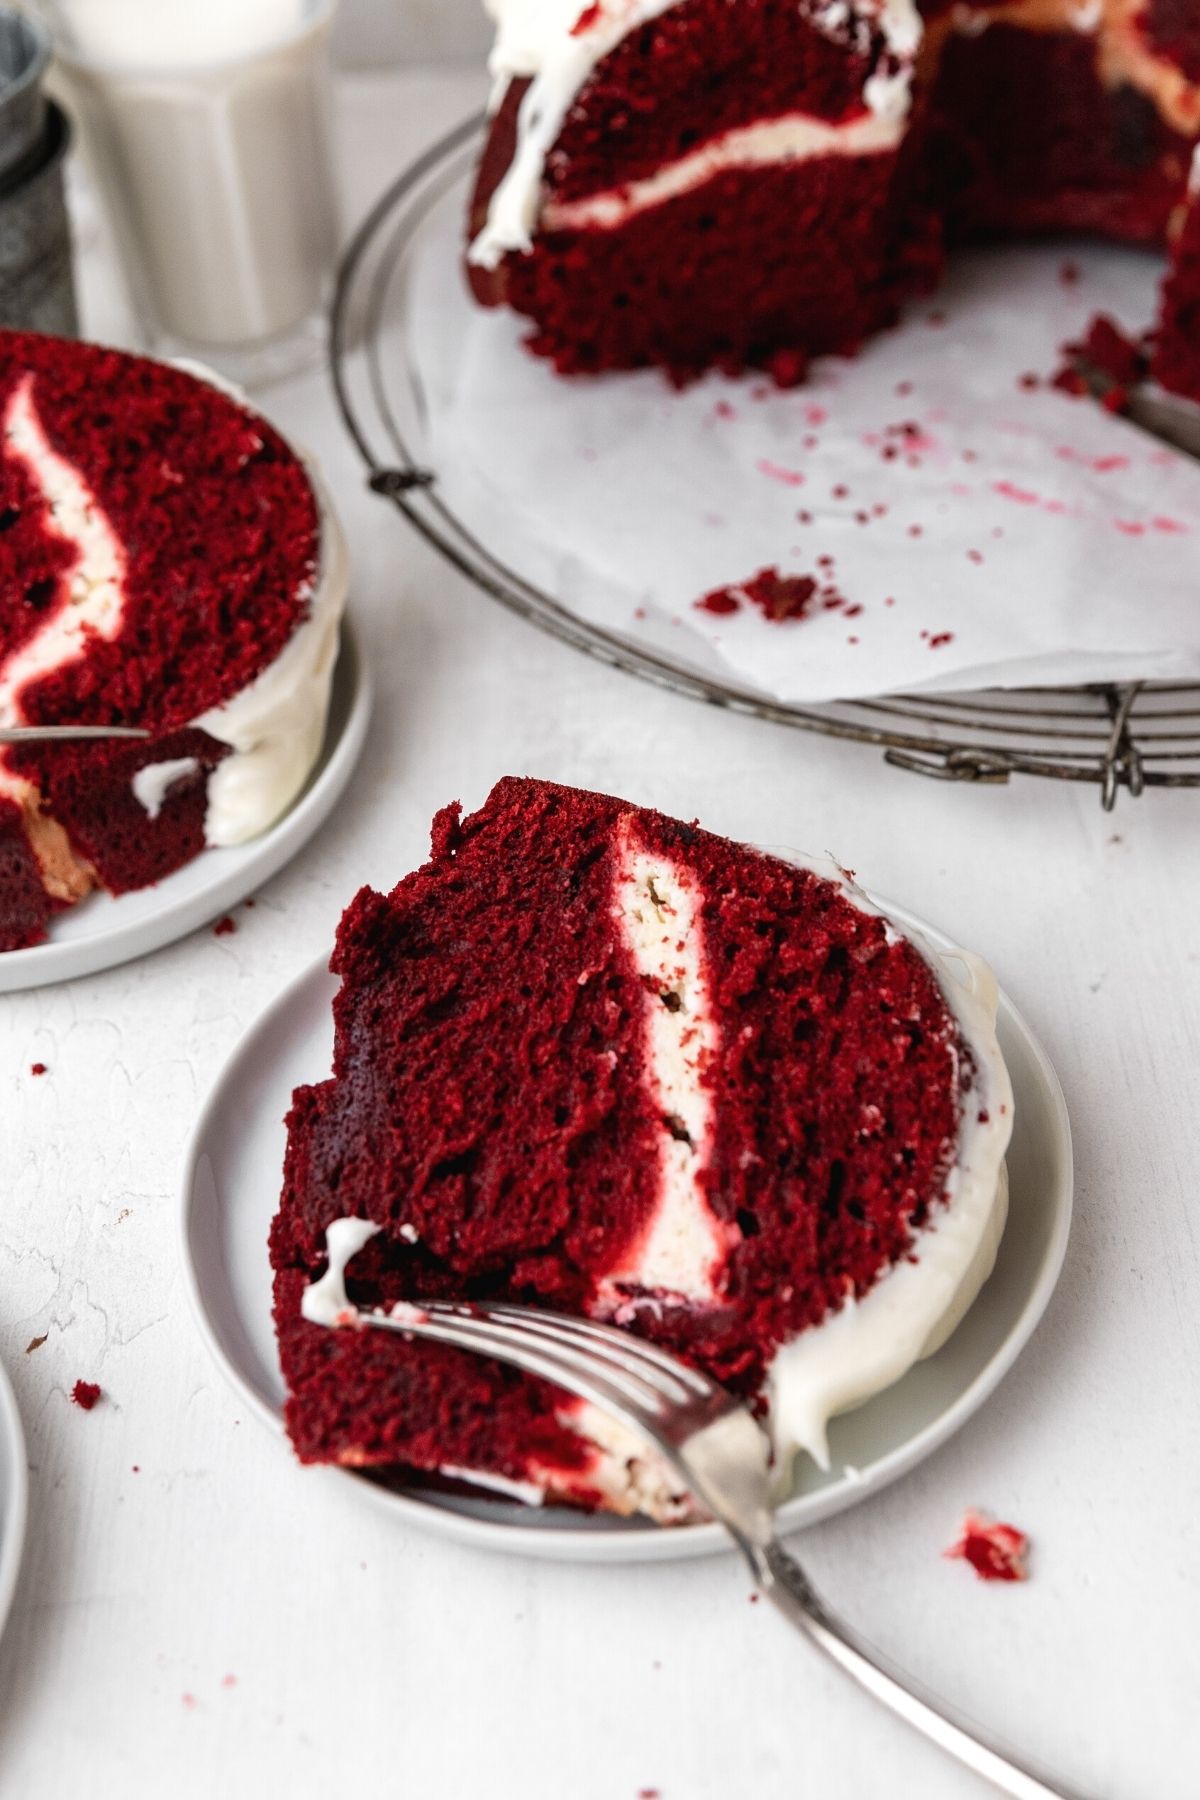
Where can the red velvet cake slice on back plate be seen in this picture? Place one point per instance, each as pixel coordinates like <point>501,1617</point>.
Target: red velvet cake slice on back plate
<point>592,1058</point>
<point>698,182</point>
<point>701,182</point>
<point>166,562</point>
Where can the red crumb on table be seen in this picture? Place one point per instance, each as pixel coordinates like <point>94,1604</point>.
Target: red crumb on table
<point>995,1551</point>
<point>591,15</point>
<point>224,926</point>
<point>229,1681</point>
<point>777,597</point>
<point>37,1068</point>
<point>85,1394</point>
<point>1109,348</point>
<point>189,1700</point>
<point>649,1793</point>
<point>1068,274</point>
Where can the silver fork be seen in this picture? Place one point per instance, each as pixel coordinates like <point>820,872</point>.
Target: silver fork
<point>56,734</point>
<point>722,1455</point>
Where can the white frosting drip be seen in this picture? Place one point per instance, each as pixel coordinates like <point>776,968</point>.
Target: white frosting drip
<point>868,1344</point>
<point>152,784</point>
<point>276,725</point>
<point>797,137</point>
<point>536,40</point>
<point>657,910</point>
<point>325,1302</point>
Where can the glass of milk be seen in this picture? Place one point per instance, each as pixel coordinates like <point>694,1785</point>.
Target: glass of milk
<point>208,124</point>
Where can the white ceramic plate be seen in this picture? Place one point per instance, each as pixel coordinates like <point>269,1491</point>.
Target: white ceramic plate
<point>102,931</point>
<point>14,1495</point>
<point>231,1184</point>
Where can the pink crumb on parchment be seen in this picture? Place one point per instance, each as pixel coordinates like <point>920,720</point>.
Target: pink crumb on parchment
<point>189,1701</point>
<point>776,472</point>
<point>229,1681</point>
<point>996,1552</point>
<point>85,1394</point>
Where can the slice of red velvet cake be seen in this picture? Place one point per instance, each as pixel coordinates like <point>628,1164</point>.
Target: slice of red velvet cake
<point>697,182</point>
<point>594,1059</point>
<point>165,563</point>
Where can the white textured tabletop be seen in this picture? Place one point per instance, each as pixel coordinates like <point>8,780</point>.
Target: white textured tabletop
<point>198,1616</point>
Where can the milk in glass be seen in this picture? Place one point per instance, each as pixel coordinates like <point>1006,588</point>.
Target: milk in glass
<point>208,122</point>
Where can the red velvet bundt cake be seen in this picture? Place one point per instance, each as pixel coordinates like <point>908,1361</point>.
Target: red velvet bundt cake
<point>595,1059</point>
<point>165,563</point>
<point>697,182</point>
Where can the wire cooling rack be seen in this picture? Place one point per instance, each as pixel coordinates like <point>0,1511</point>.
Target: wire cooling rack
<point>1133,735</point>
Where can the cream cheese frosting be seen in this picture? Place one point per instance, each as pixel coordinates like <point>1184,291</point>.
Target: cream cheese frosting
<point>913,1307</point>
<point>556,44</point>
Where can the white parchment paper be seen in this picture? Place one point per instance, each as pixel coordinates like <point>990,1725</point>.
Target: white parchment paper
<point>979,530</point>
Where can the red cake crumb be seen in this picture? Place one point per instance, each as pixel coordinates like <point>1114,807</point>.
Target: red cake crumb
<point>1110,349</point>
<point>85,1394</point>
<point>38,1068</point>
<point>778,597</point>
<point>995,1551</point>
<point>224,926</point>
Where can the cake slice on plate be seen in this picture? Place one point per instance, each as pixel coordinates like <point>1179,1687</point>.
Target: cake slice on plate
<point>594,1059</point>
<point>167,563</point>
<point>731,182</point>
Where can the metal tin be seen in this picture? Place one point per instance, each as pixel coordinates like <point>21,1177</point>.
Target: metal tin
<point>24,55</point>
<point>37,284</point>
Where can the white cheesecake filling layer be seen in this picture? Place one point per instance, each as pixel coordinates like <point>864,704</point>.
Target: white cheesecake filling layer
<point>769,143</point>
<point>656,907</point>
<point>274,727</point>
<point>93,603</point>
<point>556,45</point>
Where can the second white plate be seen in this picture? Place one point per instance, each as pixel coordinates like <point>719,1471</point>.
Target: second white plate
<point>102,931</point>
<point>230,1191</point>
<point>14,1495</point>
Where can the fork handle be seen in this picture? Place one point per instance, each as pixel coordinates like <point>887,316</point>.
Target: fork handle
<point>784,1582</point>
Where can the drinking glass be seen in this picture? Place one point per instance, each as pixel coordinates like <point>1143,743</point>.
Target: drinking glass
<point>208,126</point>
